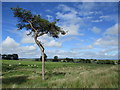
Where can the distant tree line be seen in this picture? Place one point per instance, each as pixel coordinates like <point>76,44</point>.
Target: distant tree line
<point>10,56</point>
<point>56,59</point>
<point>94,61</point>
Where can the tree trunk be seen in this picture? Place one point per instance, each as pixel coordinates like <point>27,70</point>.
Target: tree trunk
<point>43,65</point>
<point>42,53</point>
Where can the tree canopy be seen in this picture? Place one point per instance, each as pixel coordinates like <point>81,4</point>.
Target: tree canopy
<point>56,57</point>
<point>36,24</point>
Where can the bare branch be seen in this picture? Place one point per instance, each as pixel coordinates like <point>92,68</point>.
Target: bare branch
<point>29,33</point>
<point>32,26</point>
<point>42,33</point>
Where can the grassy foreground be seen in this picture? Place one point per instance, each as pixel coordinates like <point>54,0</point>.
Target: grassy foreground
<point>27,74</point>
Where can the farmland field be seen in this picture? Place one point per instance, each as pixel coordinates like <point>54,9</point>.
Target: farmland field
<point>27,74</point>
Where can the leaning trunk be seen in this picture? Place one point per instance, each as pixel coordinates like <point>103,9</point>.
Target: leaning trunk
<point>42,53</point>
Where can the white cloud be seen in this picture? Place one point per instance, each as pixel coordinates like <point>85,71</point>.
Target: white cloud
<point>96,30</point>
<point>9,45</point>
<point>109,50</point>
<point>27,48</point>
<point>62,53</point>
<point>69,18</point>
<point>103,17</point>
<point>109,18</point>
<point>105,47</point>
<point>45,40</point>
<point>70,21</point>
<point>87,47</point>
<point>88,9</point>
<point>10,42</point>
<point>72,29</point>
<point>85,6</point>
<point>53,43</point>
<point>100,53</point>
<point>50,41</point>
<point>89,17</point>
<point>27,39</point>
<point>112,30</point>
<point>65,8</point>
<point>30,51</point>
<point>109,53</point>
<point>110,37</point>
<point>69,38</point>
<point>106,41</point>
<point>33,50</point>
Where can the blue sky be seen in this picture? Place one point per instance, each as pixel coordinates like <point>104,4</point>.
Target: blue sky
<point>92,30</point>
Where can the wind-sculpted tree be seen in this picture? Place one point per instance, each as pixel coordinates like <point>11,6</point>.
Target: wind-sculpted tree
<point>37,27</point>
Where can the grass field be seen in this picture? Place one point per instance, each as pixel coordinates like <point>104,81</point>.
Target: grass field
<point>27,74</point>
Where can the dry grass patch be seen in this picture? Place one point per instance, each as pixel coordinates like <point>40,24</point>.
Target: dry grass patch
<point>82,78</point>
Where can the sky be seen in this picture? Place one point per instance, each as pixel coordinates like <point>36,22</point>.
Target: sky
<point>92,30</point>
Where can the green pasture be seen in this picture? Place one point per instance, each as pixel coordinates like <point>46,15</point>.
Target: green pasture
<point>27,74</point>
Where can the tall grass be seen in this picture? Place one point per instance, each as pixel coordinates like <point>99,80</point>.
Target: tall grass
<point>59,75</point>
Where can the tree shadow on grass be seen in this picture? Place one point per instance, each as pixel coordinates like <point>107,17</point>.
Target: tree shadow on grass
<point>14,80</point>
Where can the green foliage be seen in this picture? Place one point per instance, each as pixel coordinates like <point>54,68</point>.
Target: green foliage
<point>88,61</point>
<point>10,56</point>
<point>69,59</point>
<point>15,56</point>
<point>45,57</point>
<point>118,61</point>
<point>55,57</point>
<point>37,59</point>
<point>36,24</point>
<point>105,62</point>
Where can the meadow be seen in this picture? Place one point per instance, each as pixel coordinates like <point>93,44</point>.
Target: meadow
<point>27,74</point>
